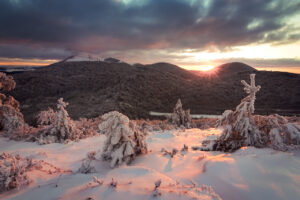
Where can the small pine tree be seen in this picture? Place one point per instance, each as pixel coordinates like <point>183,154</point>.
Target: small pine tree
<point>61,129</point>
<point>123,142</point>
<point>138,138</point>
<point>180,117</point>
<point>239,125</point>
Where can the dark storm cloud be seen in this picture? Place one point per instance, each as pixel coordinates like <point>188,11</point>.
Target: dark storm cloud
<point>98,26</point>
<point>32,51</point>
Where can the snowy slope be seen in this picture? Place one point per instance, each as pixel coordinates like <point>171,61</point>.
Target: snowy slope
<point>249,173</point>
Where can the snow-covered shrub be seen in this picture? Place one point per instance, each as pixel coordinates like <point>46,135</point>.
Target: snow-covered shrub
<point>113,183</point>
<point>124,141</point>
<point>186,191</point>
<point>139,139</point>
<point>11,119</point>
<point>13,171</point>
<point>180,117</point>
<point>205,123</point>
<point>97,180</point>
<point>146,126</point>
<point>184,148</point>
<point>7,82</point>
<point>86,166</point>
<point>62,128</point>
<point>280,132</point>
<point>170,153</point>
<point>46,117</point>
<point>156,191</point>
<point>88,127</point>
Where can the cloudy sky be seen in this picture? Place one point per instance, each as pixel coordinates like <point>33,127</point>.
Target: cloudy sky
<point>193,34</point>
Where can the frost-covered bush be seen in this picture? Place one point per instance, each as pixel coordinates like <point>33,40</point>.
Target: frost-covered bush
<point>124,141</point>
<point>7,82</point>
<point>61,128</point>
<point>13,171</point>
<point>242,128</point>
<point>186,191</point>
<point>280,132</point>
<point>180,117</point>
<point>88,127</point>
<point>86,165</point>
<point>11,119</point>
<point>146,126</point>
<point>205,123</point>
<point>46,117</point>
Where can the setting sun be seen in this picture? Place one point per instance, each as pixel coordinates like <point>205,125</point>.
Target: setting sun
<point>206,68</point>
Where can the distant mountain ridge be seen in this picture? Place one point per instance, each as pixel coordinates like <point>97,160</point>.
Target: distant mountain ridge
<point>228,69</point>
<point>95,87</point>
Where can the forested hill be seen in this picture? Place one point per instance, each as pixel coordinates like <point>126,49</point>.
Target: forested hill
<point>94,87</point>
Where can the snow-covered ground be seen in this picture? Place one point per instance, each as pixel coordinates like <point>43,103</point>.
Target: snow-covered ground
<point>249,173</point>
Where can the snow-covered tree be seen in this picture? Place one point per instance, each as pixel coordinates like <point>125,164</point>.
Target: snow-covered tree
<point>180,117</point>
<point>62,129</point>
<point>138,138</point>
<point>124,141</point>
<point>242,128</point>
<point>11,119</point>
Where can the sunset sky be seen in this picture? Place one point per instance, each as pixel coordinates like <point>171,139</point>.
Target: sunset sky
<point>194,34</point>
